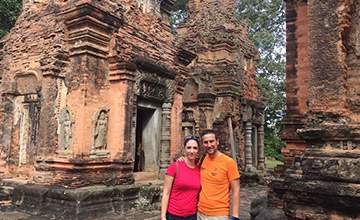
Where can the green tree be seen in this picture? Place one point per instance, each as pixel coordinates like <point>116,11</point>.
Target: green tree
<point>178,14</point>
<point>9,11</point>
<point>266,20</point>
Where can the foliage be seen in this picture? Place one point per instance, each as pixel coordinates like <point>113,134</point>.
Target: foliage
<point>266,20</point>
<point>9,11</point>
<point>273,146</point>
<point>178,14</point>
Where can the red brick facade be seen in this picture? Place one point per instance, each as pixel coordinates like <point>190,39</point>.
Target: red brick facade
<point>93,91</point>
<point>297,80</point>
<point>322,71</point>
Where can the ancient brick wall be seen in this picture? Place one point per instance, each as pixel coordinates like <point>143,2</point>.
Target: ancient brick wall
<point>81,78</point>
<point>322,181</point>
<point>297,84</point>
<point>77,60</point>
<point>29,59</point>
<point>222,76</point>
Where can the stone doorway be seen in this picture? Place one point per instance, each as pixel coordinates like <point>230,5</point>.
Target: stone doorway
<point>27,113</point>
<point>147,142</point>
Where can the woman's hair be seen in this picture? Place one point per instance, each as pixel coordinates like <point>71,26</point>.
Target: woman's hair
<point>191,137</point>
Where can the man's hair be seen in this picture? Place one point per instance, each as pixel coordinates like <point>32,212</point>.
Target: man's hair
<point>209,131</point>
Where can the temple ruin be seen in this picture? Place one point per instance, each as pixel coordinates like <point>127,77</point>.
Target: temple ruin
<point>93,92</point>
<point>320,178</point>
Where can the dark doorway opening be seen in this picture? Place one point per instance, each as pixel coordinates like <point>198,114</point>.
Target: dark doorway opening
<point>143,117</point>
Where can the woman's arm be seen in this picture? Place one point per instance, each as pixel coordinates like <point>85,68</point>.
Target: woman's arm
<point>168,182</point>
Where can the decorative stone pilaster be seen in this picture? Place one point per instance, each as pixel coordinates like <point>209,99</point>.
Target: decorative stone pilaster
<point>261,159</point>
<point>206,106</point>
<point>248,146</point>
<point>165,139</point>
<point>24,134</point>
<point>122,80</point>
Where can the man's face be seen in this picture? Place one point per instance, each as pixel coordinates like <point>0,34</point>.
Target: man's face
<point>210,143</point>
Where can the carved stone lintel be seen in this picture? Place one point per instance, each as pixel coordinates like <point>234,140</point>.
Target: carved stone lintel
<point>152,90</point>
<point>158,68</point>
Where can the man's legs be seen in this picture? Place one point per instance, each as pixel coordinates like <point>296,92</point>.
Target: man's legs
<point>201,216</point>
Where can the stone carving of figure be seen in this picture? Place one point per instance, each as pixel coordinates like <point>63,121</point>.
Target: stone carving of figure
<point>67,126</point>
<point>66,130</point>
<point>100,131</point>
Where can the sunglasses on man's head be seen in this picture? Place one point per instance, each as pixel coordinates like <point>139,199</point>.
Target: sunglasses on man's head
<point>191,137</point>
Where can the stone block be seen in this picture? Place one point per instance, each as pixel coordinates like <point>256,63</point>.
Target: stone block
<point>6,192</point>
<point>83,203</point>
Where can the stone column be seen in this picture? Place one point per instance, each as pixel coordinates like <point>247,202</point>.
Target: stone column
<point>24,134</point>
<point>248,145</point>
<point>165,139</point>
<point>261,157</point>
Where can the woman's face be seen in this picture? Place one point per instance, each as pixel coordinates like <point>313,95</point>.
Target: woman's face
<point>191,149</point>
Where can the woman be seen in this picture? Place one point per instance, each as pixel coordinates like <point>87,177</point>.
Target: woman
<point>182,185</point>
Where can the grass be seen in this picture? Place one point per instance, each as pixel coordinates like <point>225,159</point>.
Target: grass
<point>271,164</point>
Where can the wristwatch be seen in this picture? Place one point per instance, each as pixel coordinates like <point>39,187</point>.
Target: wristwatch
<point>235,218</point>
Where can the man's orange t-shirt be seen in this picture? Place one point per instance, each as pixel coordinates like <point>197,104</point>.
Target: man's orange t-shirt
<point>216,175</point>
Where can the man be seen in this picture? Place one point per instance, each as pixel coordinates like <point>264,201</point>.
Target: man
<point>218,174</point>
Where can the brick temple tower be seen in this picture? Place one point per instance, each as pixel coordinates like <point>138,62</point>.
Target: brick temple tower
<point>221,91</point>
<point>93,92</point>
<point>323,122</point>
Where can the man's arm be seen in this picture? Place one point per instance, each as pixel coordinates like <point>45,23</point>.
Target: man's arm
<point>235,187</point>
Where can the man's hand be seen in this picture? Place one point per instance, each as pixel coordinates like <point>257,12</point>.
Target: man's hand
<point>181,159</point>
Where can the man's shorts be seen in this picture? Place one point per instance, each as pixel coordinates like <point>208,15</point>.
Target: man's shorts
<point>201,216</point>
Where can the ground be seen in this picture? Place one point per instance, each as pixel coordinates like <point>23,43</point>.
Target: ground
<point>247,195</point>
